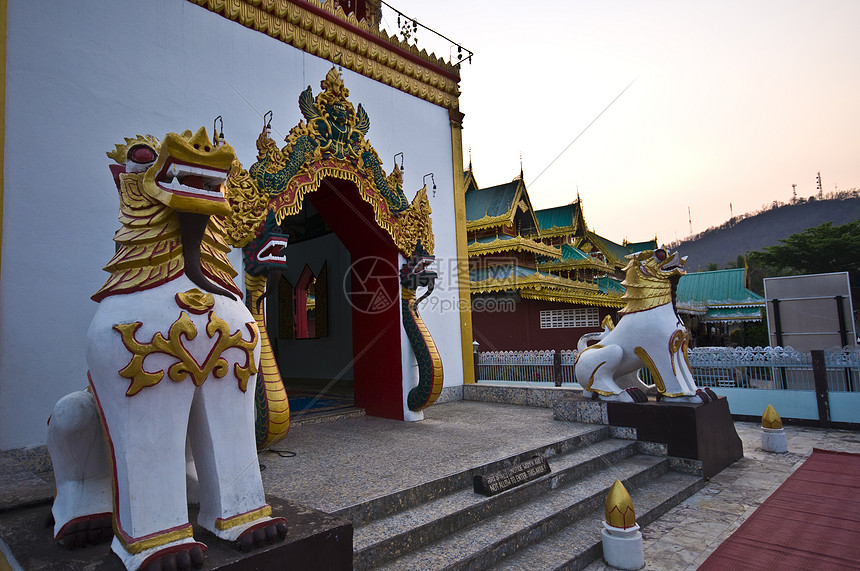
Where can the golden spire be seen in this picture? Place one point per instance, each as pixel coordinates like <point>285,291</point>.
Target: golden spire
<point>770,419</point>
<point>619,507</point>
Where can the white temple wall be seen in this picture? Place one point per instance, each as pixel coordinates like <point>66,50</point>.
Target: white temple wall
<point>83,75</point>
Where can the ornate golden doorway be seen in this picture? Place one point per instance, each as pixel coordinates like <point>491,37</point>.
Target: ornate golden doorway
<point>328,162</point>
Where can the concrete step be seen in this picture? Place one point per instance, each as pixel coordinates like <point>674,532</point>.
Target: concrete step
<point>305,418</point>
<point>577,545</point>
<point>501,535</point>
<point>386,538</point>
<point>387,505</point>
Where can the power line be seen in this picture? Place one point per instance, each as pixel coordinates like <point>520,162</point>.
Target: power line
<point>582,132</point>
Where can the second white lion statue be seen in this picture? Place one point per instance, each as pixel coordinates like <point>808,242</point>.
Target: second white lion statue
<point>649,334</point>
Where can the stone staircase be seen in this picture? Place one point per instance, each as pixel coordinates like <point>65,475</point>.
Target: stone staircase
<point>552,522</point>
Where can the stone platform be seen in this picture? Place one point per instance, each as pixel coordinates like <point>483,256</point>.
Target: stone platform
<point>702,433</point>
<point>315,540</point>
<point>358,468</point>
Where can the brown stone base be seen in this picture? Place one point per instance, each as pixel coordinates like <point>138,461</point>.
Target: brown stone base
<point>703,432</point>
<point>315,540</point>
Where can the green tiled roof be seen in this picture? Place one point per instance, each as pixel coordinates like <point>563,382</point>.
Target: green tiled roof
<point>491,201</point>
<point>568,252</point>
<point>488,239</point>
<point>721,288</point>
<point>719,295</point>
<point>610,247</point>
<point>640,246</point>
<point>609,284</point>
<point>558,217</point>
<point>499,272</point>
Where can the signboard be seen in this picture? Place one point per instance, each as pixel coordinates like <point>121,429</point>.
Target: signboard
<point>810,312</point>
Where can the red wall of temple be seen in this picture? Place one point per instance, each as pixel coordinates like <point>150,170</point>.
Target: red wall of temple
<point>499,330</point>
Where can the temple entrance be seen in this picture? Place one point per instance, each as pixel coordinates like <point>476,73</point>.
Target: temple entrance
<point>337,315</point>
<point>337,311</point>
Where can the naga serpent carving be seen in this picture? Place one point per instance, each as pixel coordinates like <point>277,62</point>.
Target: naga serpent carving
<point>172,355</point>
<point>414,274</point>
<point>262,255</point>
<point>649,334</point>
<point>331,143</point>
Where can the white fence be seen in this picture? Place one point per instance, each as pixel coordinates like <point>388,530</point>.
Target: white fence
<point>751,377</point>
<point>521,366</point>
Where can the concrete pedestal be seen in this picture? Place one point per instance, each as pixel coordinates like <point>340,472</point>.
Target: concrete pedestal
<point>703,432</point>
<point>623,548</point>
<point>773,440</point>
<point>315,540</point>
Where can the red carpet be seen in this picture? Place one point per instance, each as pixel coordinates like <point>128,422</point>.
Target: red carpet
<point>812,521</point>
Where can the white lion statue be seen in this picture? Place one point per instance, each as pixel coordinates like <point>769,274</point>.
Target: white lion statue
<point>649,334</point>
<point>173,356</point>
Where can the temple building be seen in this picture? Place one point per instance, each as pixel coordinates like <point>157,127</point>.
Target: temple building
<point>713,304</point>
<point>539,279</point>
<point>78,78</point>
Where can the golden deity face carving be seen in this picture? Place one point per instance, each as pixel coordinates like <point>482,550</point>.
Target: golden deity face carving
<point>185,172</point>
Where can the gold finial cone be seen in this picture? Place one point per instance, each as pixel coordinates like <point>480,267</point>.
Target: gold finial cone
<point>770,419</point>
<point>619,507</point>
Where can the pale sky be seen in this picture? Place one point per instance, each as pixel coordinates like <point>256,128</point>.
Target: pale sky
<point>731,103</point>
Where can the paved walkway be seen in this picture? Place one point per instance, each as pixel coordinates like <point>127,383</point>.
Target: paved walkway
<point>684,537</point>
<point>337,464</point>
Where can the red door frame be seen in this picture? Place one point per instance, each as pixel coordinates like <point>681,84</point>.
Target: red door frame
<point>378,374</point>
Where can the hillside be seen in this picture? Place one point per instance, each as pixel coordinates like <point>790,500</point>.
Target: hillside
<point>723,244</point>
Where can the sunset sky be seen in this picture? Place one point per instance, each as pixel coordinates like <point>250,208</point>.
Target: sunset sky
<point>731,103</point>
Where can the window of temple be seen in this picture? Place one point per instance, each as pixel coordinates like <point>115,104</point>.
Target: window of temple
<point>565,318</point>
<point>311,305</point>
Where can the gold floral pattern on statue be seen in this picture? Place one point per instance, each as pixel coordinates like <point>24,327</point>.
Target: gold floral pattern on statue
<point>217,329</point>
<point>195,301</point>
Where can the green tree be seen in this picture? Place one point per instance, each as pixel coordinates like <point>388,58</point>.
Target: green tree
<point>817,250</point>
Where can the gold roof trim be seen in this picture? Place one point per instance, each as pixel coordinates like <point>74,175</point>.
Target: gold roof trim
<point>534,280</point>
<point>490,221</point>
<point>594,299</point>
<point>550,288</point>
<point>325,31</point>
<point>557,231</point>
<point>517,244</point>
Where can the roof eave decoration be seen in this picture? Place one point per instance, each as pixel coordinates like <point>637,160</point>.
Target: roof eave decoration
<point>523,199</point>
<point>486,222</point>
<point>594,299</point>
<point>515,244</point>
<point>330,144</point>
<point>324,30</point>
<point>549,288</point>
<point>556,231</point>
<point>611,258</point>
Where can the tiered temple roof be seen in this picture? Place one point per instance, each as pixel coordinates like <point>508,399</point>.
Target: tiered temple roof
<point>545,254</point>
